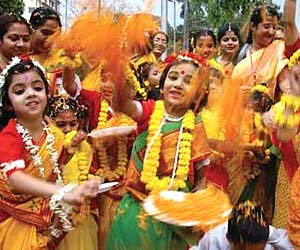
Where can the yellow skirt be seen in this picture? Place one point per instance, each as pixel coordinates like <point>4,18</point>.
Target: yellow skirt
<point>83,237</point>
<point>15,234</point>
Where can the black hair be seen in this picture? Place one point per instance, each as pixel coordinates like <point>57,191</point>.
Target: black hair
<point>22,67</point>
<point>40,15</point>
<point>247,224</point>
<point>256,17</point>
<point>6,20</point>
<point>229,27</point>
<point>60,103</point>
<point>200,33</point>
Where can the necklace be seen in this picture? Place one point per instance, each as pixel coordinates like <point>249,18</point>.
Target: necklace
<point>172,118</point>
<point>34,150</point>
<point>254,67</point>
<point>182,154</point>
<point>106,170</point>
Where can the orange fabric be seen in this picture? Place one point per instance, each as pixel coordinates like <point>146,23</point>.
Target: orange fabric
<point>267,63</point>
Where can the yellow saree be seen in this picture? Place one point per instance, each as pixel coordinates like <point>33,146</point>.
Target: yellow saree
<point>84,235</point>
<point>24,219</point>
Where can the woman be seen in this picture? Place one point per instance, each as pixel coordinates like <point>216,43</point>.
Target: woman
<point>14,38</point>
<point>35,205</point>
<point>229,41</point>
<point>60,67</point>
<point>160,124</point>
<point>261,70</point>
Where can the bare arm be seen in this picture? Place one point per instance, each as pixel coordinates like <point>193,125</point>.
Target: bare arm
<point>69,81</point>
<point>125,103</point>
<point>26,184</point>
<point>291,32</point>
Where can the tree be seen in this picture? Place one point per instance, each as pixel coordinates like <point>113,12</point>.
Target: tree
<point>217,12</point>
<point>14,6</point>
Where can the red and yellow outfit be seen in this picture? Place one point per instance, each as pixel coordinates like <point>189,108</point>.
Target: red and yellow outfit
<point>24,219</point>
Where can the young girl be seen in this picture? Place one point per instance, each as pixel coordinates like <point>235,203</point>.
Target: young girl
<point>35,204</point>
<point>14,38</point>
<point>153,165</point>
<point>229,41</point>
<point>148,75</point>
<point>68,114</point>
<point>204,44</point>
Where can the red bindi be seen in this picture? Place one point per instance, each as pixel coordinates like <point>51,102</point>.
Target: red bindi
<point>182,72</point>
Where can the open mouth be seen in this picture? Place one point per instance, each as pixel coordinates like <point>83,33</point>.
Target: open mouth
<point>32,103</point>
<point>175,94</point>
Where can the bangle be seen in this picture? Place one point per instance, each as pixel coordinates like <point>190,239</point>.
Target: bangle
<point>62,209</point>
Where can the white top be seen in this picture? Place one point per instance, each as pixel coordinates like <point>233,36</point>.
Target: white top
<point>215,239</point>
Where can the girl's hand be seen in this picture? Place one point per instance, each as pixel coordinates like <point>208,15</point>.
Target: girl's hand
<point>78,195</point>
<point>268,120</point>
<point>79,137</point>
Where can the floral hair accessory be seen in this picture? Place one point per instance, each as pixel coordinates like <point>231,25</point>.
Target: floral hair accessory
<point>260,88</point>
<point>15,60</point>
<point>186,56</point>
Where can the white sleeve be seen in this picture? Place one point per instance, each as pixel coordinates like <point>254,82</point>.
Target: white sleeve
<point>215,239</point>
<point>279,239</point>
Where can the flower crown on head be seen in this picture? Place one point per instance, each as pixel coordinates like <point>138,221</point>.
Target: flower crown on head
<point>16,60</point>
<point>188,57</point>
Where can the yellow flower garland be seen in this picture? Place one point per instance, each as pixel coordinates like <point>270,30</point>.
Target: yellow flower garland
<point>285,121</point>
<point>83,170</point>
<point>82,158</point>
<point>151,160</point>
<point>260,88</point>
<point>132,80</point>
<point>106,170</point>
<point>294,59</point>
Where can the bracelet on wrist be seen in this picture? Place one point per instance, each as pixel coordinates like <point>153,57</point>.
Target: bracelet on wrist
<point>62,209</point>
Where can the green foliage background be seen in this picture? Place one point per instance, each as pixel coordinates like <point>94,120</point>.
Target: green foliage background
<point>213,14</point>
<point>7,6</point>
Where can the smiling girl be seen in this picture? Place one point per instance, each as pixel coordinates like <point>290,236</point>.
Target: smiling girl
<point>159,160</point>
<point>34,198</point>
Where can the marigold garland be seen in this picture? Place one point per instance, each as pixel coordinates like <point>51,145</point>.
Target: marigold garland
<point>132,80</point>
<point>80,175</point>
<point>82,159</point>
<point>285,121</point>
<point>106,170</point>
<point>295,59</point>
<point>151,160</point>
<point>260,88</point>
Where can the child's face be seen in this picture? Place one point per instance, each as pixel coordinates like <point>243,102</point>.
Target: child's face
<point>66,121</point>
<point>27,95</point>
<point>205,47</point>
<point>107,86</point>
<point>154,75</point>
<point>177,87</point>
